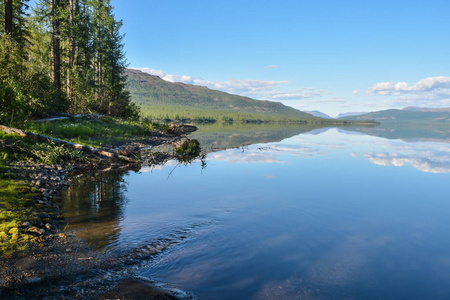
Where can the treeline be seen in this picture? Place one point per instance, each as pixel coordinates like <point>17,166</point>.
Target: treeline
<point>147,90</point>
<point>174,113</point>
<point>63,56</point>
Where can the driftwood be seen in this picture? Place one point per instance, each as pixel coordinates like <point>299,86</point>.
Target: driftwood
<point>182,128</point>
<point>51,119</point>
<point>39,137</point>
<point>65,116</point>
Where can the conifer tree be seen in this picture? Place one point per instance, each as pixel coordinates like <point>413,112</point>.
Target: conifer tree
<point>70,59</point>
<point>8,16</point>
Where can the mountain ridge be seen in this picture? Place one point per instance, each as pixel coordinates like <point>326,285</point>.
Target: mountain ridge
<point>318,114</point>
<point>350,114</point>
<point>426,109</point>
<point>150,90</point>
<point>402,115</point>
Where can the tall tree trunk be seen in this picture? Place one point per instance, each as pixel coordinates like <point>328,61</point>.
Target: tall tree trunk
<point>8,15</point>
<point>99,64</point>
<point>71,56</point>
<point>55,46</point>
<point>99,51</point>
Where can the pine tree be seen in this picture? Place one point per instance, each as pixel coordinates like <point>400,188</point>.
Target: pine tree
<point>8,16</point>
<point>70,59</point>
<point>55,51</point>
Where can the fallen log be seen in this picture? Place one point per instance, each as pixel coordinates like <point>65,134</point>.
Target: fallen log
<point>51,119</point>
<point>44,138</point>
<point>66,116</point>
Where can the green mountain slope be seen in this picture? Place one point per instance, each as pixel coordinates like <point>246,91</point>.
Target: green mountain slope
<point>157,96</point>
<point>404,116</point>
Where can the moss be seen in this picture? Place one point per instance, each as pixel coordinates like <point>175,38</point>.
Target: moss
<point>16,206</point>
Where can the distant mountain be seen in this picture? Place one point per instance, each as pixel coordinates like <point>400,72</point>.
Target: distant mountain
<point>349,114</point>
<point>319,114</point>
<point>410,132</point>
<point>174,98</point>
<point>425,109</point>
<point>403,116</point>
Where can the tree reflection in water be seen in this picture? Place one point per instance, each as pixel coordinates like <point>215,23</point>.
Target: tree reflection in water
<point>94,205</point>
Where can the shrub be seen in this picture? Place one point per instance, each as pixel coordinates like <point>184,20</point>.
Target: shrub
<point>189,147</point>
<point>49,153</point>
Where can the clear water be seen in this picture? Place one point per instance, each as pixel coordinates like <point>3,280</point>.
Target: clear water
<point>326,214</point>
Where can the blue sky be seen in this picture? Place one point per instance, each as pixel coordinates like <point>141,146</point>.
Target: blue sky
<point>332,56</point>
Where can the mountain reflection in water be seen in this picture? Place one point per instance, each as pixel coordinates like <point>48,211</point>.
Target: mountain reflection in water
<point>296,212</point>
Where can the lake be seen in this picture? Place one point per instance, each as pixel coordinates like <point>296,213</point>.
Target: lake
<point>283,212</point>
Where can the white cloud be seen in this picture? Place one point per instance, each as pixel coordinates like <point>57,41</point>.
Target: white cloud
<point>430,84</point>
<point>432,157</point>
<point>420,163</point>
<point>236,156</point>
<point>433,91</point>
<point>272,66</point>
<point>261,153</point>
<point>177,78</point>
<point>159,73</point>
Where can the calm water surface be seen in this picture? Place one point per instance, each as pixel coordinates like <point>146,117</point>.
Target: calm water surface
<point>325,214</point>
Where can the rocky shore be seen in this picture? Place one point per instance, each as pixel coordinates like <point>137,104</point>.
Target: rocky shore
<point>56,258</point>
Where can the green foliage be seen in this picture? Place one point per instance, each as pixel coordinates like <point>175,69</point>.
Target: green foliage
<point>23,149</point>
<point>160,99</point>
<point>93,80</point>
<point>189,148</point>
<point>171,113</point>
<point>50,154</point>
<point>94,132</point>
<point>24,92</point>
<point>6,136</point>
<point>177,102</point>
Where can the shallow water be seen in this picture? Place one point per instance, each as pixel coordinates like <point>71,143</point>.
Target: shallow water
<point>330,213</point>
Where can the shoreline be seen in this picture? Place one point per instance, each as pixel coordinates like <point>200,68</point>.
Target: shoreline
<point>59,257</point>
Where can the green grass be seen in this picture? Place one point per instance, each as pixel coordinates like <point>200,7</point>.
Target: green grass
<point>95,132</point>
<point>24,149</point>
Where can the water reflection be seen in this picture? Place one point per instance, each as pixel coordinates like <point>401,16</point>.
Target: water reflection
<point>398,160</point>
<point>96,202</point>
<point>329,213</point>
<point>426,156</point>
<point>94,205</point>
<point>261,154</point>
<point>216,137</point>
<point>408,132</point>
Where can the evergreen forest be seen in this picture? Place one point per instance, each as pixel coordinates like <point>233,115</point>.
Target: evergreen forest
<point>61,56</point>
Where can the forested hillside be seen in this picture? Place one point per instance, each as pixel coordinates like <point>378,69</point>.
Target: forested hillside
<point>162,99</point>
<point>61,55</point>
<point>404,116</point>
